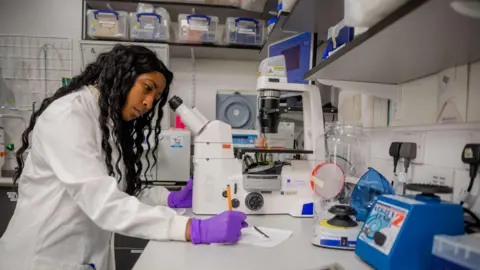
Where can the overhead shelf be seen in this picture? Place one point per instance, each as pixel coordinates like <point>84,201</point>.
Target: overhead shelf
<point>277,32</point>
<point>175,8</point>
<point>421,38</point>
<point>200,51</point>
<point>314,16</point>
<point>221,52</point>
<point>184,50</point>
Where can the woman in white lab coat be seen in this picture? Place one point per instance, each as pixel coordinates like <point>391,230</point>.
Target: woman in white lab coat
<point>81,179</point>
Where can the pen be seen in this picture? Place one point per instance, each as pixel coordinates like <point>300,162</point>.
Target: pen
<point>258,230</point>
<point>229,198</point>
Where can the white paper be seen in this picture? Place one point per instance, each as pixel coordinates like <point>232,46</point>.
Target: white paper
<point>276,236</point>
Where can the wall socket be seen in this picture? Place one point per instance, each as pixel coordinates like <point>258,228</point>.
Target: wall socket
<point>419,138</point>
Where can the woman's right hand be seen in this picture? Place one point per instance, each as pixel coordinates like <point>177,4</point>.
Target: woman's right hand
<point>223,228</point>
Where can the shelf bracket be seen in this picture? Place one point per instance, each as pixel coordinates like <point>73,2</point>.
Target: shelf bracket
<point>387,91</point>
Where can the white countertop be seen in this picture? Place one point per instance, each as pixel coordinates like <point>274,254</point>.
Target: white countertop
<point>6,181</point>
<point>297,253</point>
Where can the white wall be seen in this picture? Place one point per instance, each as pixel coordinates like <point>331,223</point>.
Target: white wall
<point>210,76</point>
<point>440,162</point>
<point>44,18</point>
<point>439,159</point>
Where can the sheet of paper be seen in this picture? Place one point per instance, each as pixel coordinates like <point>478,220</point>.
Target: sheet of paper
<point>276,236</point>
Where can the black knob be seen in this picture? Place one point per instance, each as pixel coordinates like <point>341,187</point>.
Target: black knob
<point>379,238</point>
<point>175,102</point>
<point>254,201</point>
<point>235,203</point>
<point>224,194</point>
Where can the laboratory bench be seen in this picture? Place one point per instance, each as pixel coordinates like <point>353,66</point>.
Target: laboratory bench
<point>296,253</point>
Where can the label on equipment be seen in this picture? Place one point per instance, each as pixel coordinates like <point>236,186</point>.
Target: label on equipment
<point>176,142</point>
<point>276,71</point>
<point>383,226</point>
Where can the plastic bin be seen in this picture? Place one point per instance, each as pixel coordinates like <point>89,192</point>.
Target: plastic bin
<point>244,31</point>
<point>197,28</point>
<point>150,26</point>
<point>456,252</point>
<point>107,24</point>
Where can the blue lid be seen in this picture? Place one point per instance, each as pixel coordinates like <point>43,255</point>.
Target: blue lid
<point>272,20</point>
<point>369,187</point>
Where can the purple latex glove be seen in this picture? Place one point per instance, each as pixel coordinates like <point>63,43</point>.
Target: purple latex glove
<point>223,228</point>
<point>182,198</point>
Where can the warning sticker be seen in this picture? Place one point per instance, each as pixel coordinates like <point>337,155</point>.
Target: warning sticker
<point>383,226</point>
<point>276,71</point>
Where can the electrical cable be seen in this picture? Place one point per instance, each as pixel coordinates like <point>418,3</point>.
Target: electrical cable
<point>470,186</point>
<point>471,227</point>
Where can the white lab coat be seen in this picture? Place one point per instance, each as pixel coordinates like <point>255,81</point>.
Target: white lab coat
<point>68,206</point>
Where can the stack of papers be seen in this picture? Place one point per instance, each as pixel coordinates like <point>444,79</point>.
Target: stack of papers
<point>252,237</point>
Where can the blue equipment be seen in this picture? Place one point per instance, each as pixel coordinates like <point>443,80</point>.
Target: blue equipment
<point>369,187</point>
<point>399,232</point>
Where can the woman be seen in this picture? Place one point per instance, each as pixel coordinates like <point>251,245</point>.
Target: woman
<point>84,139</point>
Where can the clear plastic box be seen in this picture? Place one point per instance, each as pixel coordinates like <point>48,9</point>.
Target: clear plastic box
<point>150,26</point>
<point>245,31</point>
<point>458,252</point>
<point>107,24</point>
<point>197,28</point>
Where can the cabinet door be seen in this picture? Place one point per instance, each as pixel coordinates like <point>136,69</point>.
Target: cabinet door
<point>8,201</point>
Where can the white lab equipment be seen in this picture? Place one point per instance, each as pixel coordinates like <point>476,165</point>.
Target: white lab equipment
<point>366,13</point>
<point>150,25</point>
<point>273,188</point>
<point>109,24</point>
<point>197,28</point>
<point>456,252</point>
<point>237,108</point>
<point>73,228</point>
<point>244,137</point>
<point>174,158</point>
<point>244,31</point>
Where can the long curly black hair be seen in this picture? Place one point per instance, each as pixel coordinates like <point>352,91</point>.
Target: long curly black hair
<point>114,74</point>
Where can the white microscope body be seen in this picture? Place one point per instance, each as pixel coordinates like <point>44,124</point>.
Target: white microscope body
<point>217,164</point>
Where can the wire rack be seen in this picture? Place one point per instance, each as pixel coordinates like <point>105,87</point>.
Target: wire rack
<point>32,67</point>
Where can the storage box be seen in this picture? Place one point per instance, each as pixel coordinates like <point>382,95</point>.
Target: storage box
<point>456,252</point>
<point>197,28</point>
<point>244,31</point>
<point>107,24</point>
<point>150,26</point>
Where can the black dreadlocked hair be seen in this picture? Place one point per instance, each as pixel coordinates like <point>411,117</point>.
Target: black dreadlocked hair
<point>114,74</point>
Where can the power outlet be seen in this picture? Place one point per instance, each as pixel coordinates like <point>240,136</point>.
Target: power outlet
<point>419,138</point>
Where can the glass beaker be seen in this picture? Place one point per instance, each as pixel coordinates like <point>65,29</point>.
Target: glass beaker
<point>348,147</point>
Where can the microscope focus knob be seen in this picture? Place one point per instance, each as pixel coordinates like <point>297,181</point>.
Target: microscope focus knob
<point>235,203</point>
<point>254,201</point>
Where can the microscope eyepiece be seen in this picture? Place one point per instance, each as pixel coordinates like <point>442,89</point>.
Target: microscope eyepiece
<point>175,102</point>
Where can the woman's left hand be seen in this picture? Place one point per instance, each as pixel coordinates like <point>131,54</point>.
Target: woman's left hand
<point>182,198</point>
